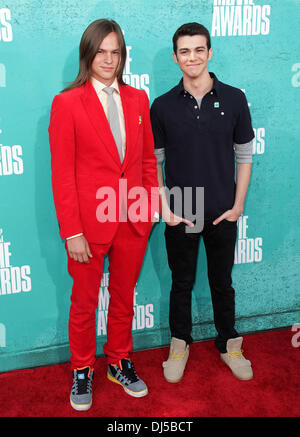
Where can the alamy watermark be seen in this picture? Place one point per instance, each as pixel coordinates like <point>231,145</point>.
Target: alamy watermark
<point>135,204</point>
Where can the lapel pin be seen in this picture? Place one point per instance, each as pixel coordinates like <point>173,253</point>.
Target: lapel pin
<point>140,119</point>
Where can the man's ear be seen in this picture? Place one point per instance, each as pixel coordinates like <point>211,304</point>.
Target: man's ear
<point>210,53</point>
<point>174,58</point>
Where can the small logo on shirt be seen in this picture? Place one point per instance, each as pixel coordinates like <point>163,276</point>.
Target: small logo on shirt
<point>140,119</point>
<point>216,105</point>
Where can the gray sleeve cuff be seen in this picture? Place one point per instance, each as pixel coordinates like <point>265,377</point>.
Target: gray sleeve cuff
<point>160,155</point>
<point>243,152</point>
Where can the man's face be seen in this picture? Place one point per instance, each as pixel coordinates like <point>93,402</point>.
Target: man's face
<point>107,59</point>
<point>192,55</point>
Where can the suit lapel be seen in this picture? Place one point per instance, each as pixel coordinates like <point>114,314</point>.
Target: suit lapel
<point>130,107</point>
<point>99,121</point>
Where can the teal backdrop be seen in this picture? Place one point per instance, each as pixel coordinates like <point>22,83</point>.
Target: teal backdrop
<point>256,47</point>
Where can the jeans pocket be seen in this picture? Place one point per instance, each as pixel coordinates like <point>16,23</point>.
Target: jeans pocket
<point>176,228</point>
<point>230,221</point>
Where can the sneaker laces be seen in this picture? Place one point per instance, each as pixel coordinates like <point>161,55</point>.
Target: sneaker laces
<point>176,356</point>
<point>82,385</point>
<point>236,354</point>
<point>130,373</point>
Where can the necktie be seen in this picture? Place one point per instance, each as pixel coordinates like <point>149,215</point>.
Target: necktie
<point>113,119</point>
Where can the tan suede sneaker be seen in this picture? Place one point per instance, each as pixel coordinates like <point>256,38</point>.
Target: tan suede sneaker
<point>240,367</point>
<point>178,356</point>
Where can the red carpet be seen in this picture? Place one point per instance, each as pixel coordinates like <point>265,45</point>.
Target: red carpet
<point>208,388</point>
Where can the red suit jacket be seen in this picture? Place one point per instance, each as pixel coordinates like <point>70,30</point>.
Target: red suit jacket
<point>84,158</point>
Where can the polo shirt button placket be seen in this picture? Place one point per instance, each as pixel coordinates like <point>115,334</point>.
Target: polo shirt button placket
<point>197,109</point>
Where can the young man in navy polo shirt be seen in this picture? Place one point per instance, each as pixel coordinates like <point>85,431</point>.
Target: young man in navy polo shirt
<point>202,127</point>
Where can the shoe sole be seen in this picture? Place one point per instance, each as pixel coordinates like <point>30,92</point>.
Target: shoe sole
<point>139,394</point>
<point>173,381</point>
<point>238,377</point>
<point>80,407</point>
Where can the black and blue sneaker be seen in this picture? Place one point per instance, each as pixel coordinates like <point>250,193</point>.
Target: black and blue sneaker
<point>81,393</point>
<point>124,374</point>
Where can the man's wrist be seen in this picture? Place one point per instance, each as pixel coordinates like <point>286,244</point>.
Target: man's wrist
<point>239,209</point>
<point>74,236</point>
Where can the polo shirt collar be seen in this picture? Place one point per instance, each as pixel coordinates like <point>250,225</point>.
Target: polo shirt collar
<point>216,85</point>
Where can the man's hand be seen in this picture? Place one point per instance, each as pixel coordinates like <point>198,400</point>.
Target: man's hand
<point>173,220</point>
<point>167,215</point>
<point>231,215</point>
<point>79,250</point>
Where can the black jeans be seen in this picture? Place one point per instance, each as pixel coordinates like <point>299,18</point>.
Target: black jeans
<point>182,249</point>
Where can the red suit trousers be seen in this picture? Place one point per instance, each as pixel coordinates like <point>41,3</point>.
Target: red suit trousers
<point>125,254</point>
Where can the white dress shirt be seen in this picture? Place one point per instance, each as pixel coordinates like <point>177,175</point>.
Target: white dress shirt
<point>103,97</point>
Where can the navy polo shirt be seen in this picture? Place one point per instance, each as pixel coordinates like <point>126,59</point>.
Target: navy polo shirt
<point>198,143</point>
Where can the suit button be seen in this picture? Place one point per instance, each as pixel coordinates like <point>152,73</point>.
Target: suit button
<point>122,175</point>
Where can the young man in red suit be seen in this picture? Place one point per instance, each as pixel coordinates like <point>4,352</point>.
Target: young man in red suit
<point>101,143</point>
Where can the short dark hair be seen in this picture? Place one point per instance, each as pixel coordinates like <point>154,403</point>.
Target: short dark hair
<point>191,29</point>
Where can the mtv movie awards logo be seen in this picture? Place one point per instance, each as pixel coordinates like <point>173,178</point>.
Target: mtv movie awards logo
<point>143,314</point>
<point>12,279</point>
<point>240,18</point>
<point>11,161</point>
<point>259,141</point>
<point>139,81</point>
<point>247,250</point>
<point>2,76</point>
<point>2,335</point>
<point>296,76</point>
<point>6,33</point>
